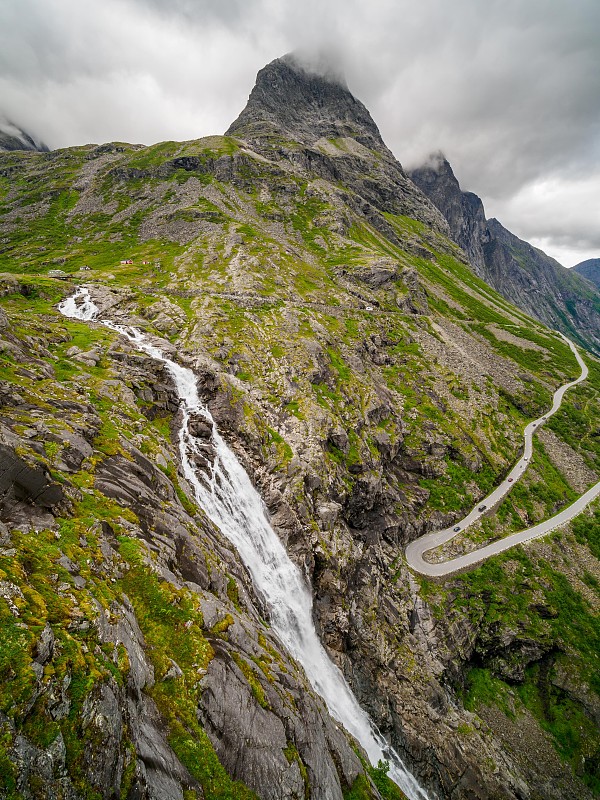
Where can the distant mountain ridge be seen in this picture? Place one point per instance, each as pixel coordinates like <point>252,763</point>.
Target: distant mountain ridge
<point>520,272</point>
<point>589,269</point>
<point>14,138</point>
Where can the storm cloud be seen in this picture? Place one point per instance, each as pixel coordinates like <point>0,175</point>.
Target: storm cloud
<point>509,90</point>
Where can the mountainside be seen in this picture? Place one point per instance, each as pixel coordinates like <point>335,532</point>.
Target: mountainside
<point>373,387</point>
<point>318,127</point>
<point>589,269</point>
<point>522,273</point>
<point>13,138</point>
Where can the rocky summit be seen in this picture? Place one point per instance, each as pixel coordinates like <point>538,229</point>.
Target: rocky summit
<point>374,383</point>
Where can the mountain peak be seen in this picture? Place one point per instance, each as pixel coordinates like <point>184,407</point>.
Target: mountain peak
<point>435,167</point>
<point>305,98</point>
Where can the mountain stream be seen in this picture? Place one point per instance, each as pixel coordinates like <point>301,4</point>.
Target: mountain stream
<point>235,507</point>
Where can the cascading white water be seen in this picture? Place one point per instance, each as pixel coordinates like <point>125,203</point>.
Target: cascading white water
<point>233,504</point>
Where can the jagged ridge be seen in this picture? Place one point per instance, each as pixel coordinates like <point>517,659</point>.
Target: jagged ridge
<point>520,272</point>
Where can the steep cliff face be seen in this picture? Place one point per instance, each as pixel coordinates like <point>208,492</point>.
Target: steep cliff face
<point>463,211</point>
<point>314,122</point>
<point>373,387</point>
<point>589,269</point>
<point>520,272</point>
<point>541,286</point>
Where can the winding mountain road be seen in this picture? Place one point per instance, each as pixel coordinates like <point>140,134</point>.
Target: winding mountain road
<point>415,550</point>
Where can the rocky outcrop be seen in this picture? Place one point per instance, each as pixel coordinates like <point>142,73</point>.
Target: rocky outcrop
<point>463,211</point>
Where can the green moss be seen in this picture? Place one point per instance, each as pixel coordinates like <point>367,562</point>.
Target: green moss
<point>253,681</point>
<point>8,771</point>
<point>339,365</point>
<point>482,688</point>
<point>284,451</point>
<point>362,788</point>
<point>221,627</point>
<point>233,593</point>
<point>292,755</point>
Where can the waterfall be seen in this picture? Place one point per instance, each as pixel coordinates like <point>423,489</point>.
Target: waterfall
<point>233,504</point>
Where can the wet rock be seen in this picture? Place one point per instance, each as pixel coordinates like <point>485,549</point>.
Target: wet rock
<point>312,482</point>
<point>70,566</point>
<point>5,539</point>
<point>159,773</point>
<point>250,740</point>
<point>200,427</point>
<point>46,766</point>
<point>58,699</point>
<point>123,628</point>
<point>102,724</point>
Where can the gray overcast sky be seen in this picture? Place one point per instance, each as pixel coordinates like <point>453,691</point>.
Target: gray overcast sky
<point>508,89</point>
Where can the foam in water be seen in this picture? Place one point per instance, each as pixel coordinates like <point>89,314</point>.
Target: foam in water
<point>232,503</point>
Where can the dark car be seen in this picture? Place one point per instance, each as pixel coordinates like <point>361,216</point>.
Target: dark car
<point>456,528</point>
<point>510,480</point>
<point>482,508</point>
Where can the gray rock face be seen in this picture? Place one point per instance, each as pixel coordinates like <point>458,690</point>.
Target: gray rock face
<point>589,269</point>
<point>289,100</point>
<point>463,211</point>
<point>520,272</point>
<point>316,123</point>
<point>264,745</point>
